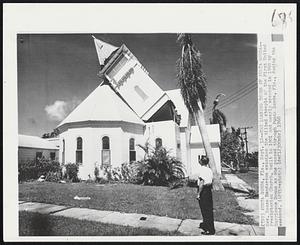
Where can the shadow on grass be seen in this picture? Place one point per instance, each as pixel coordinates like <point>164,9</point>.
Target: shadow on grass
<point>37,225</point>
<point>34,224</point>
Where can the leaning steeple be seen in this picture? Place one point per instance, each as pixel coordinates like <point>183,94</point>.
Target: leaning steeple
<point>104,50</point>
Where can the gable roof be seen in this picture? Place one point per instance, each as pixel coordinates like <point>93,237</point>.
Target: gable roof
<point>176,98</point>
<point>103,104</point>
<point>36,142</point>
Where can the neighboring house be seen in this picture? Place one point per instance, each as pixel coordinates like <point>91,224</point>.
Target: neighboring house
<point>33,147</point>
<point>128,109</point>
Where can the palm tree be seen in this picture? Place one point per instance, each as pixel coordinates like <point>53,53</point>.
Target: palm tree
<point>192,83</point>
<point>218,117</point>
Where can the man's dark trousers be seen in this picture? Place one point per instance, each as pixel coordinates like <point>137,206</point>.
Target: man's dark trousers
<point>206,206</point>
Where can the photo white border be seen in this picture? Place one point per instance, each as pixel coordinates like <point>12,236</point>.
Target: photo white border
<point>139,18</point>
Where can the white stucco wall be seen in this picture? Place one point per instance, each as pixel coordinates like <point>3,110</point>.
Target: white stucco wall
<point>92,147</point>
<point>184,147</point>
<point>119,137</point>
<point>166,130</point>
<point>138,134</point>
<point>195,147</point>
<point>198,151</point>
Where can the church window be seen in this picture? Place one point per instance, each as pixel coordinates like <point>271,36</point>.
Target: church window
<point>105,143</point>
<point>158,142</point>
<point>52,156</point>
<point>105,151</point>
<point>79,150</point>
<point>63,152</point>
<point>38,155</point>
<point>140,92</point>
<point>132,152</point>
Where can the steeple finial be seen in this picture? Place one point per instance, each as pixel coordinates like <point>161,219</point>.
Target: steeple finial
<point>103,49</point>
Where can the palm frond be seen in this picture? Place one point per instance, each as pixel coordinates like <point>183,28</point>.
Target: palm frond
<point>192,80</point>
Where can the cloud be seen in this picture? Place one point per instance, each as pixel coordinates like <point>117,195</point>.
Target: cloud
<point>60,109</point>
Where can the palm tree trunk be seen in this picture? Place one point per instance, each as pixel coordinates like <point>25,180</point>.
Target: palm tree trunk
<point>199,118</point>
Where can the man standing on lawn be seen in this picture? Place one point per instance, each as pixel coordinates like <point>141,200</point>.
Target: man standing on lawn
<point>205,197</point>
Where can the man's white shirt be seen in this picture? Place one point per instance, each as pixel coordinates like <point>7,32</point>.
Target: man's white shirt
<point>206,174</point>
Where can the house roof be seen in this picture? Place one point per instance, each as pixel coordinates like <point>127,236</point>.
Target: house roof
<point>36,142</point>
<point>103,104</point>
<point>176,98</point>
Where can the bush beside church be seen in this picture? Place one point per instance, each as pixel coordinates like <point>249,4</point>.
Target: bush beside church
<point>158,168</point>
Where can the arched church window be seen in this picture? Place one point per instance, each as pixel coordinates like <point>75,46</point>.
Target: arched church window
<point>105,158</point>
<point>79,150</point>
<point>140,92</point>
<point>158,142</point>
<point>132,152</point>
<point>105,143</point>
<point>63,151</point>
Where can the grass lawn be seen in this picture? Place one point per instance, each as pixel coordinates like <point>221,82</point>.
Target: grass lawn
<point>251,178</point>
<point>34,224</point>
<point>177,203</point>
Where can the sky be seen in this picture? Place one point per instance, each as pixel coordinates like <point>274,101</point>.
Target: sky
<point>57,71</point>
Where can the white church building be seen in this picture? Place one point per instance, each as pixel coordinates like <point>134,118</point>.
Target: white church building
<point>127,109</point>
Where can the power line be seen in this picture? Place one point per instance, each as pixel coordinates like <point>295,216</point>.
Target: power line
<point>242,90</point>
<point>237,98</point>
<point>233,99</point>
<point>246,87</point>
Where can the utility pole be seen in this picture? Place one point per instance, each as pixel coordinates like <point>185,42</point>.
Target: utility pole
<point>245,137</point>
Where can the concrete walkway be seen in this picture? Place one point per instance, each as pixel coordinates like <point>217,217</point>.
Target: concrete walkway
<point>186,227</point>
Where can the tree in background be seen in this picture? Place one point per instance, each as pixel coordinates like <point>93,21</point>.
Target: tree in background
<point>231,148</point>
<point>218,117</point>
<point>53,134</point>
<point>192,83</point>
<point>253,159</point>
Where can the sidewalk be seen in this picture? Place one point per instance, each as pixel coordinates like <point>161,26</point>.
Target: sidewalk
<point>186,227</point>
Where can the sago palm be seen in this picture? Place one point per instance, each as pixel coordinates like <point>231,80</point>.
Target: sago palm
<point>192,83</point>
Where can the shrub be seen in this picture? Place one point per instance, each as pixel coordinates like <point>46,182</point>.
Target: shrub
<point>72,172</point>
<point>27,170</point>
<point>159,168</point>
<point>102,180</point>
<point>53,176</point>
<point>99,179</point>
<point>129,172</point>
<point>116,174</point>
<point>107,173</point>
<point>252,159</point>
<point>191,182</point>
<point>96,172</point>
<point>33,169</point>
